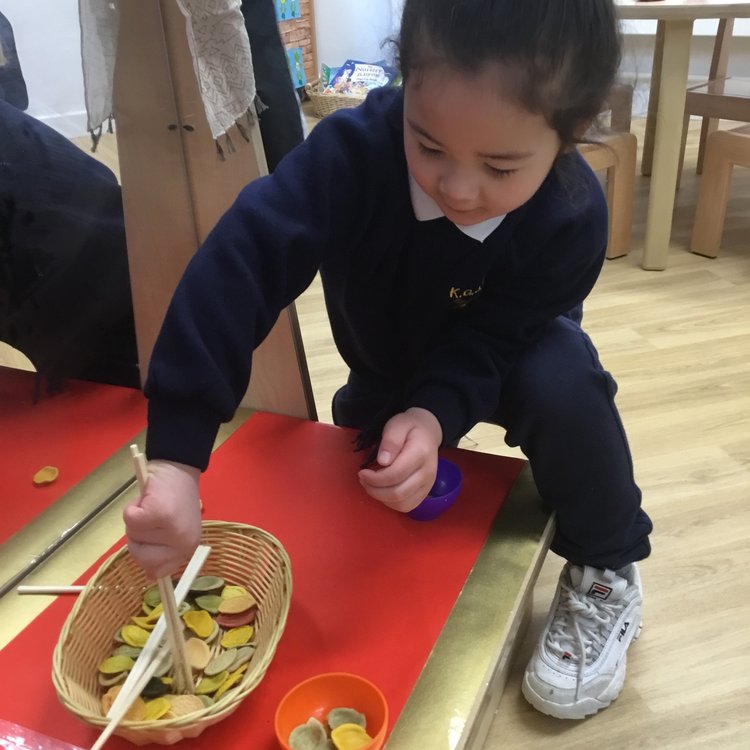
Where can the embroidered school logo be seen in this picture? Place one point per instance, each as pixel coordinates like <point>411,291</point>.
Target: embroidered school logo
<point>461,297</point>
<point>599,591</point>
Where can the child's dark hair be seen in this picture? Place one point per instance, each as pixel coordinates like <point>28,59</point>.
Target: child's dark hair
<point>559,57</point>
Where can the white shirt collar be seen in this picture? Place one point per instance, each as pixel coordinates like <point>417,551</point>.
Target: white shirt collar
<point>425,209</point>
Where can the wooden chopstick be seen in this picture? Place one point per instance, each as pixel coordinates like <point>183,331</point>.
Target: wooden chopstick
<point>52,590</point>
<point>183,673</point>
<point>153,652</point>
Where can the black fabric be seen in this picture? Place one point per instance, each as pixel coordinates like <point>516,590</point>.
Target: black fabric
<point>12,83</point>
<point>280,124</point>
<point>64,284</point>
<point>558,405</point>
<point>434,317</point>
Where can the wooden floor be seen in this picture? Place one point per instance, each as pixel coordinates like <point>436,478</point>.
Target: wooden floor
<point>678,343</point>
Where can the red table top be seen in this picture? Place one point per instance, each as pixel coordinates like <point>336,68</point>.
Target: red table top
<point>371,588</point>
<point>76,431</point>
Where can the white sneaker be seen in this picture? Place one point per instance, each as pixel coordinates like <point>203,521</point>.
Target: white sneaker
<point>578,666</point>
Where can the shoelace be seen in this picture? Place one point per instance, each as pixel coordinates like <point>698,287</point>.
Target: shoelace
<point>591,623</point>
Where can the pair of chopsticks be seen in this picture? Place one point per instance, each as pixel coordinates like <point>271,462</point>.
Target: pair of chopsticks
<point>154,652</point>
<point>183,678</point>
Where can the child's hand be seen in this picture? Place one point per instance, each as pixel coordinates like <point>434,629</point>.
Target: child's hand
<point>408,456</point>
<point>164,526</point>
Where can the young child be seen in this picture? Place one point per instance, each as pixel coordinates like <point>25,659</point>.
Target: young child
<point>457,233</point>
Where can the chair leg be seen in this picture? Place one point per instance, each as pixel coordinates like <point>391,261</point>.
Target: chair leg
<point>708,126</point>
<point>713,194</point>
<point>683,144</point>
<point>620,190</point>
<point>620,101</point>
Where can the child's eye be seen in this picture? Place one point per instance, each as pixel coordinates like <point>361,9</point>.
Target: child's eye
<point>427,151</point>
<point>500,173</point>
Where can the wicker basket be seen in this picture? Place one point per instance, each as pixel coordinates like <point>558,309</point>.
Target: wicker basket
<point>324,104</point>
<point>242,555</point>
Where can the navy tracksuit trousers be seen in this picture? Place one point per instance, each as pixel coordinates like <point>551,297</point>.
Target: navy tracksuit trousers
<point>558,405</point>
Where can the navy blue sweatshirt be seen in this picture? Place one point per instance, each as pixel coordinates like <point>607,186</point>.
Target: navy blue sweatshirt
<point>65,297</point>
<point>429,315</point>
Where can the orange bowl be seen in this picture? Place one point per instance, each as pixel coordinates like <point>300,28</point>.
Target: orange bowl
<point>317,695</point>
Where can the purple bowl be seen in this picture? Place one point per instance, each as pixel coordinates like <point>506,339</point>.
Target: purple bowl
<point>443,494</point>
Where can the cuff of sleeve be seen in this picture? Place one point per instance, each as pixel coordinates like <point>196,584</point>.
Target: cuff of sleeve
<point>446,407</point>
<point>179,431</point>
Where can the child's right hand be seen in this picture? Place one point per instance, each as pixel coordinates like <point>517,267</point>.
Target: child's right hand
<point>163,526</point>
<point>407,459</point>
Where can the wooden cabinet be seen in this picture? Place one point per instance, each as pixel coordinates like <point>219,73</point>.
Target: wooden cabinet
<point>175,188</point>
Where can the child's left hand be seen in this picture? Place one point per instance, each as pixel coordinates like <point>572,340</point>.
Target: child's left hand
<point>407,456</point>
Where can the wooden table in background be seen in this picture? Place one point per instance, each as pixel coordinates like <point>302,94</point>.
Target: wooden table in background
<point>668,89</point>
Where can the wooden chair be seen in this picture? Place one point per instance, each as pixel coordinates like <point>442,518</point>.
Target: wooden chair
<point>721,97</point>
<point>724,149</point>
<point>718,97</point>
<point>620,106</point>
<point>617,154</point>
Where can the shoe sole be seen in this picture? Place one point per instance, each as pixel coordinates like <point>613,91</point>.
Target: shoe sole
<point>585,707</point>
<point>581,709</point>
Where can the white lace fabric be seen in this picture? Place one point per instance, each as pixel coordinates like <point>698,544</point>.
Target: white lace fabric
<point>219,45</point>
<point>222,60</point>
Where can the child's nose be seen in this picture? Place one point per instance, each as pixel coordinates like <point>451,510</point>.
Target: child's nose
<point>458,187</point>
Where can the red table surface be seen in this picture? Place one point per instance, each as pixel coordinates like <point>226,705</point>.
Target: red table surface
<point>371,587</point>
<point>75,430</point>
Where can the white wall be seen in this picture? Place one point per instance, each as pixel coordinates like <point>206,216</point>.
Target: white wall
<point>356,29</point>
<point>352,29</point>
<point>48,41</point>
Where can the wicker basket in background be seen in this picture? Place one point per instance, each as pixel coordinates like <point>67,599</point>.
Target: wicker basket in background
<point>324,104</point>
<point>241,555</point>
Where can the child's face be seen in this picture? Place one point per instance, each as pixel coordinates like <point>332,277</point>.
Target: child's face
<point>475,152</point>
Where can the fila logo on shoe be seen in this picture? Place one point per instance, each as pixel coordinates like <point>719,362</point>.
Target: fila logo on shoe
<point>599,591</point>
<point>623,630</point>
